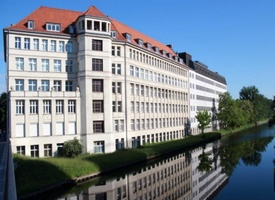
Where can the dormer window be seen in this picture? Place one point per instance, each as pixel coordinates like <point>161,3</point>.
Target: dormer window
<point>148,45</point>
<point>170,55</point>
<point>71,29</point>
<point>140,42</point>
<point>181,61</point>
<point>53,27</point>
<point>113,34</point>
<point>157,50</point>
<point>30,24</point>
<point>164,53</point>
<point>128,37</point>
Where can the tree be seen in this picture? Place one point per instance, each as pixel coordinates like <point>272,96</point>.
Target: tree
<point>228,112</point>
<point>246,108</point>
<point>249,93</point>
<point>3,111</point>
<point>72,148</point>
<point>204,119</point>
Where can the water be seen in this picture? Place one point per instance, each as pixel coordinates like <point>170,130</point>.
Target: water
<point>239,166</point>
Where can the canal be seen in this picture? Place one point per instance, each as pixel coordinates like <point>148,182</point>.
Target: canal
<point>239,166</point>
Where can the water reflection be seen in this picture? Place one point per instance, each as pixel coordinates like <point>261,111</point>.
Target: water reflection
<point>195,174</point>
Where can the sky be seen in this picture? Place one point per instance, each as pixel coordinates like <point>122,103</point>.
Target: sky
<point>235,38</point>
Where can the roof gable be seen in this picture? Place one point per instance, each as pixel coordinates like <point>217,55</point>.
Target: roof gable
<point>93,11</point>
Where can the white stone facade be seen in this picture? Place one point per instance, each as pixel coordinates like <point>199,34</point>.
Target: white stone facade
<point>92,78</point>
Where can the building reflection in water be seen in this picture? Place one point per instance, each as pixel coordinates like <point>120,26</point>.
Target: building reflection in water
<point>177,177</point>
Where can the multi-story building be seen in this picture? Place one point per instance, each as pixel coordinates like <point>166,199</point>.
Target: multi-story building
<point>90,77</point>
<point>205,88</point>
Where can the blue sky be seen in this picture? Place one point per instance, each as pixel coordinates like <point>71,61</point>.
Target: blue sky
<point>235,38</point>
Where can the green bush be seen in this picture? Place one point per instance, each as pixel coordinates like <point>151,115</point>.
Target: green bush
<point>72,148</point>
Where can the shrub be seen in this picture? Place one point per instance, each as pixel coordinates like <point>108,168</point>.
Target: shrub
<point>72,148</point>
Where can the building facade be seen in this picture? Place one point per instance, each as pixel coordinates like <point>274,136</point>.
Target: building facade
<point>205,86</point>
<point>90,77</point>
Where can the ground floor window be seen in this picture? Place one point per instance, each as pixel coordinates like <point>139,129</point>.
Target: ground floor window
<point>20,150</point>
<point>99,147</point>
<point>119,144</point>
<point>47,150</point>
<point>34,151</point>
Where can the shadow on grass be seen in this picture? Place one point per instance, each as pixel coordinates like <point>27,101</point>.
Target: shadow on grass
<point>34,174</point>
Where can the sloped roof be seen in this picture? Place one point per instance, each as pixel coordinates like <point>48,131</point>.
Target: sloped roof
<point>65,18</point>
<point>44,15</point>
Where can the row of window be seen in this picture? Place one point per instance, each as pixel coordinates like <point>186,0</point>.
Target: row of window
<point>47,106</point>
<point>155,123</point>
<point>141,90</point>
<point>138,56</point>
<point>44,85</point>
<point>44,65</point>
<point>34,150</point>
<point>156,77</point>
<point>44,45</point>
<point>142,107</point>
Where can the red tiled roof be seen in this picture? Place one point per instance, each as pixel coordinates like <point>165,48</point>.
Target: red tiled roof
<point>44,15</point>
<point>93,11</point>
<point>122,28</point>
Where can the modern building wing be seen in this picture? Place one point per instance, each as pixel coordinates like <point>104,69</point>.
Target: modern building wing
<point>90,77</point>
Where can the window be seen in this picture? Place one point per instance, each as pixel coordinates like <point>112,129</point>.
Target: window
<point>61,46</point>
<point>131,70</point>
<point>97,45</point>
<point>45,85</point>
<point>53,45</point>
<point>118,68</point>
<point>97,64</point>
<point>113,34</point>
<point>69,47</point>
<point>32,85</point>
<point>71,106</point>
<point>17,43</point>
<point>119,106</point>
<point>45,45</point>
<point>26,43</point>
<point>47,150</point>
<point>119,88</point>
<point>137,90</point>
<point>45,65</point>
<point>57,85</point>
<point>35,44</point>
<point>32,64</point>
<point>99,147</point>
<point>46,107</point>
<point>118,51</point>
<point>57,65</point>
<point>19,84</point>
<point>132,107</point>
<point>137,72</point>
<point>113,87</point>
<point>121,125</point>
<point>116,125</point>
<point>59,106</point>
<point>113,68</point>
<point>19,62</point>
<point>21,150</point>
<point>132,88</point>
<point>97,85</point>
<point>69,85</point>
<point>69,66</point>
<point>132,124</point>
<point>20,107</point>
<point>98,126</point>
<point>114,106</point>
<point>33,106</point>
<point>35,151</point>
<point>137,125</point>
<point>53,27</point>
<point>98,106</point>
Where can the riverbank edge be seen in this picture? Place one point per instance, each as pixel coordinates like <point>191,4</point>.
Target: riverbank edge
<point>85,178</point>
<point>75,181</point>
